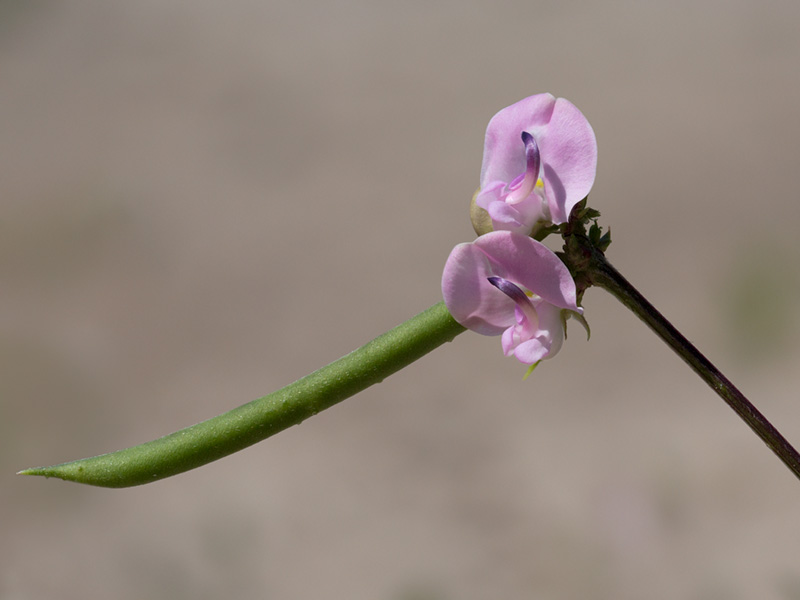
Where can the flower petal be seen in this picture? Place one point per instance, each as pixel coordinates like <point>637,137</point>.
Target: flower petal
<point>503,154</point>
<point>489,193</point>
<point>532,351</point>
<point>551,323</point>
<point>569,152</point>
<point>530,264</point>
<point>470,298</point>
<point>518,217</point>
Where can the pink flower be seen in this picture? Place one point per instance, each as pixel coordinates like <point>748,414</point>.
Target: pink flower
<point>510,284</point>
<point>539,161</point>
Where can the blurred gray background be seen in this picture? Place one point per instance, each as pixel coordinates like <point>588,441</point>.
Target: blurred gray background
<point>202,202</point>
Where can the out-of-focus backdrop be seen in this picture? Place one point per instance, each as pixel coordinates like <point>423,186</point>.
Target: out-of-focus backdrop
<point>201,202</point>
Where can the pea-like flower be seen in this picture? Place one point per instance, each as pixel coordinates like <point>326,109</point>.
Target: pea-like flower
<point>539,161</point>
<point>510,284</point>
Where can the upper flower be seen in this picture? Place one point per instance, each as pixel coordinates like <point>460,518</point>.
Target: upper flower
<point>539,161</point>
<point>508,283</point>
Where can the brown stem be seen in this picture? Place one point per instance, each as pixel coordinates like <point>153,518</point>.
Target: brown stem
<point>601,273</point>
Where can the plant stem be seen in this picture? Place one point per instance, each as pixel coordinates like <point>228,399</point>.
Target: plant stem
<point>602,274</point>
<point>241,427</point>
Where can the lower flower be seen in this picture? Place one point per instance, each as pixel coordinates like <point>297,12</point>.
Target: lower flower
<point>507,283</point>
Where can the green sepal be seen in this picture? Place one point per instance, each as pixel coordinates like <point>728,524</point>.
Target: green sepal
<point>530,370</point>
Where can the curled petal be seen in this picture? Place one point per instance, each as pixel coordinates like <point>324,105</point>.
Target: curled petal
<point>523,186</point>
<point>524,312</point>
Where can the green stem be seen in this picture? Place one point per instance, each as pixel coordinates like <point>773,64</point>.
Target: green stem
<point>241,427</point>
<point>602,274</point>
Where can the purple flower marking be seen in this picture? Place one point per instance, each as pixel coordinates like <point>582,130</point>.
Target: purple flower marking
<point>507,283</point>
<point>542,178</point>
